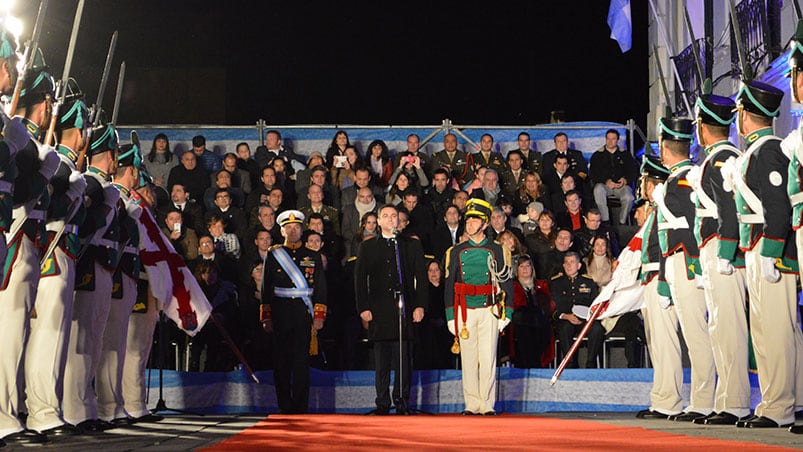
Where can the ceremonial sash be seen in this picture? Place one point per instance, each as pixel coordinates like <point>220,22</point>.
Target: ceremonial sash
<point>750,198</point>
<point>709,209</point>
<point>670,220</point>
<point>301,289</point>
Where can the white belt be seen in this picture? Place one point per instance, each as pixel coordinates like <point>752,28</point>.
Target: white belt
<point>674,223</point>
<point>6,186</point>
<point>292,292</point>
<point>705,213</point>
<point>55,226</point>
<point>751,218</point>
<point>796,199</point>
<point>104,242</point>
<point>37,214</point>
<point>130,249</point>
<point>650,267</point>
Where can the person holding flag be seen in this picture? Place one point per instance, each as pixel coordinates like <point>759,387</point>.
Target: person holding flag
<point>293,308</point>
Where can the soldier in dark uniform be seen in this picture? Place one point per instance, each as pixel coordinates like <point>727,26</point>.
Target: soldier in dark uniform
<point>716,229</point>
<point>458,163</point>
<point>568,289</point>
<point>577,162</point>
<point>97,260</point>
<point>760,182</point>
<point>377,290</point>
<point>679,281</point>
<point>293,307</point>
<point>486,157</point>
<point>534,159</point>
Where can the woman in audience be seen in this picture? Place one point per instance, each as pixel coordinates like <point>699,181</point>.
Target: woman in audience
<point>344,176</point>
<point>284,182</point>
<point>378,161</point>
<point>533,189</point>
<point>532,329</point>
<point>160,160</point>
<point>419,174</point>
<point>542,242</point>
<point>337,147</point>
<point>367,230</point>
<point>599,262</point>
<point>433,351</point>
<point>222,295</point>
<point>511,242</point>
<point>225,242</point>
<point>396,194</point>
<point>479,175</point>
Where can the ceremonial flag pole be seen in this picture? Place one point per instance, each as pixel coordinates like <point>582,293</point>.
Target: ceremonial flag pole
<point>595,311</point>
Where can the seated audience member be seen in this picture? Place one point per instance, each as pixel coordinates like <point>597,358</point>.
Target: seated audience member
<point>362,179</point>
<point>414,170</point>
<point>447,233</point>
<point>285,182</point>
<point>160,160</point>
<point>246,162</point>
<point>343,173</point>
<point>458,163</point>
<point>304,176</point>
<point>331,195</point>
<point>191,176</point>
<point>541,242</point>
<point>265,219</point>
<point>234,217</point>
<point>476,181</point>
<point>509,240</point>
<point>337,148</point>
<point>512,177</point>
<point>594,228</point>
<point>255,252</point>
<point>564,240</point>
<point>554,175</point>
<point>572,218</point>
<point>260,193</point>
<point>367,230</point>
<point>378,161</point>
<point>207,160</point>
<point>569,182</point>
<point>571,289</point>
<point>612,172</point>
<point>222,295</point>
<point>411,159</point>
<point>331,215</point>
<point>460,199</point>
<point>191,211</point>
<point>332,243</point>
<point>223,182</point>
<point>422,220</point>
<point>208,252</point>
<point>276,200</point>
<point>532,328</point>
<point>225,242</point>
<point>440,195</point>
<point>354,212</point>
<point>274,150</point>
<point>313,240</point>
<point>396,193</point>
<point>434,338</point>
<point>490,190</point>
<point>530,224</point>
<point>239,177</point>
<point>183,238</point>
<point>498,224</point>
<point>531,190</point>
<point>512,220</point>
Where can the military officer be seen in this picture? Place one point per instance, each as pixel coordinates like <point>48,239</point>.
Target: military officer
<point>97,260</point>
<point>458,163</point>
<point>716,229</point>
<point>568,289</point>
<point>486,157</point>
<point>660,318</point>
<point>50,329</point>
<point>759,177</point>
<point>680,266</point>
<point>478,294</point>
<point>293,306</point>
<point>33,166</point>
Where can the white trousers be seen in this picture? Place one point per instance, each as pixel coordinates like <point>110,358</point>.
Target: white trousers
<point>661,329</point>
<point>138,348</point>
<point>109,375</point>
<point>478,359</point>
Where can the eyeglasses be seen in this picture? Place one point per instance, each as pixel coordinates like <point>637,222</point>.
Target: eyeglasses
<point>222,197</point>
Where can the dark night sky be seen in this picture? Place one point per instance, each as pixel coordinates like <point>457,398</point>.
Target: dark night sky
<point>233,62</point>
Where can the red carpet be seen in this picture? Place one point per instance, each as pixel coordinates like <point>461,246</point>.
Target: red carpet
<point>453,432</point>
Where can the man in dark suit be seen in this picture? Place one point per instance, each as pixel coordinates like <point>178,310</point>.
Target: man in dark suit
<point>447,233</point>
<point>377,289</point>
<point>577,162</point>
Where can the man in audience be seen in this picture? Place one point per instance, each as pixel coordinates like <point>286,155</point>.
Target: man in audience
<point>234,217</point>
<point>513,176</point>
<point>486,157</point>
<point>405,160</point>
<point>362,178</point>
<point>331,215</point>
<point>191,211</point>
<point>240,178</point>
<point>490,190</point>
<point>440,195</point>
<point>191,176</point>
<point>576,160</point>
<point>533,159</point>
<point>208,160</point>
<point>572,218</point>
<point>456,162</point>
<point>612,172</point>
<point>259,195</point>
<point>246,162</point>
<point>592,229</point>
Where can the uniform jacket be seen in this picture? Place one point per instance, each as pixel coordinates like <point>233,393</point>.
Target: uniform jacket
<point>567,292</point>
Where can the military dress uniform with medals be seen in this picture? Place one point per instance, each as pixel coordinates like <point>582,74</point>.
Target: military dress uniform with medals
<point>493,161</point>
<point>109,376</point>
<point>716,229</point>
<point>478,302</point>
<point>680,271</point>
<point>660,319</point>
<point>97,260</point>
<point>294,293</point>
<point>760,181</point>
<point>567,292</point>
<point>460,165</point>
<point>46,353</point>
<point>32,167</point>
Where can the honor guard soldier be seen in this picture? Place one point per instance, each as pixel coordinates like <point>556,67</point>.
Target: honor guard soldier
<point>759,178</point>
<point>15,135</point>
<point>716,229</point>
<point>32,167</point>
<point>293,308</point>
<point>97,261</point>
<point>478,294</point>
<point>459,164</point>
<point>793,145</point>
<point>109,376</point>
<point>679,277</point>
<point>46,353</point>
<point>660,318</point>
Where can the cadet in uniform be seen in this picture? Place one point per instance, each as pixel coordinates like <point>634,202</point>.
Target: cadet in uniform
<point>680,265</point>
<point>660,318</point>
<point>97,260</point>
<point>456,162</point>
<point>479,298</point>
<point>46,353</point>
<point>759,180</point>
<point>716,229</point>
<point>293,303</point>
<point>571,288</point>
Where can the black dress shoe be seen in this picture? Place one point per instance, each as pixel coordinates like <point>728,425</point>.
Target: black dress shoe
<point>723,418</point>
<point>378,412</point>
<point>469,413</point>
<point>741,423</point>
<point>762,422</point>
<point>63,430</point>
<point>25,437</point>
<point>650,414</point>
<point>687,417</point>
<point>95,426</point>
<point>150,418</point>
<point>122,421</point>
<point>490,413</point>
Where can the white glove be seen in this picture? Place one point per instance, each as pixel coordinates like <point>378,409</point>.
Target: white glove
<point>77,186</point>
<point>768,270</point>
<point>50,161</point>
<point>698,281</point>
<point>658,194</point>
<point>134,210</point>
<point>503,323</point>
<point>694,176</point>
<point>664,302</point>
<point>16,135</point>
<point>724,266</point>
<point>728,171</point>
<point>450,325</point>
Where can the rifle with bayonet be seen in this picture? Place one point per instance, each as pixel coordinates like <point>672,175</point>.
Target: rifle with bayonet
<point>95,110</point>
<point>28,57</point>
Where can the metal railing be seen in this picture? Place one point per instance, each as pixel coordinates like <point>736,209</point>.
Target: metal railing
<point>689,83</point>
<point>753,23</point>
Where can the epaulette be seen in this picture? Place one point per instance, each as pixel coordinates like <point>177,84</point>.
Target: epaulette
<point>586,275</point>
<point>351,259</point>
<point>274,247</point>
<point>429,256</point>
<point>556,276</point>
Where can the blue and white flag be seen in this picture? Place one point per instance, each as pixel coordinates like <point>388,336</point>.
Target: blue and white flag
<point>621,24</point>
